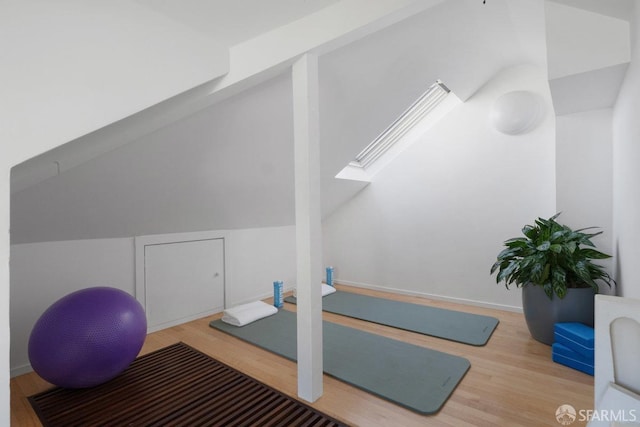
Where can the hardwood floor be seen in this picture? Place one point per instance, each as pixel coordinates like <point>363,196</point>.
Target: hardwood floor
<point>512,380</point>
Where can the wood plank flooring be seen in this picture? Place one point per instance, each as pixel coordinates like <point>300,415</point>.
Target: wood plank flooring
<point>512,380</point>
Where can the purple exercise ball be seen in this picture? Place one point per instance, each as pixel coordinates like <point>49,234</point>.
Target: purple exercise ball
<point>87,337</point>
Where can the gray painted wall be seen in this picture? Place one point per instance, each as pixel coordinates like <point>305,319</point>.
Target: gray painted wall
<point>229,166</point>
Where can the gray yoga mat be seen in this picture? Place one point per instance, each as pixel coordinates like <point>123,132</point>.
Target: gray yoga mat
<point>415,377</point>
<point>453,325</point>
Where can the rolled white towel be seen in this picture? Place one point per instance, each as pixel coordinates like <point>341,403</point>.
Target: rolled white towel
<point>326,290</point>
<point>244,314</point>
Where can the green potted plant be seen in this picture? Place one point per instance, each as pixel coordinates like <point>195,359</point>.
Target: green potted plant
<point>553,265</point>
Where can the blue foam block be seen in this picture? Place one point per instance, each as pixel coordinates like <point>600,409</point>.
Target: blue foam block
<point>565,356</point>
<point>562,350</point>
<point>577,337</point>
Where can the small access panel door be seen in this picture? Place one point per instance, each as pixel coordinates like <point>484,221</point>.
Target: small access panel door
<point>183,281</point>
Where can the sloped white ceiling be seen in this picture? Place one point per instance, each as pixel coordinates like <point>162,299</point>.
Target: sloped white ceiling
<point>581,40</point>
<point>589,51</point>
<point>231,165</point>
<point>70,67</point>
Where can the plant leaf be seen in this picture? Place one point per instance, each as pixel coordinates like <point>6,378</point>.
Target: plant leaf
<point>557,235</point>
<point>494,267</point>
<point>506,272</point>
<point>555,216</point>
<point>544,246</point>
<point>582,271</point>
<point>529,231</point>
<point>561,291</point>
<point>536,273</point>
<point>556,248</point>
<point>545,273</point>
<point>559,282</point>
<point>594,254</point>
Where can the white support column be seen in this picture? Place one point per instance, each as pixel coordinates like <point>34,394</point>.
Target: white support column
<point>308,226</point>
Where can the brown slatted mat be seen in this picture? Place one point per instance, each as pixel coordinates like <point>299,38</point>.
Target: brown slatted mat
<point>176,386</point>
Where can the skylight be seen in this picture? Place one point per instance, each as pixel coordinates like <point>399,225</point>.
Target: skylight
<point>431,103</point>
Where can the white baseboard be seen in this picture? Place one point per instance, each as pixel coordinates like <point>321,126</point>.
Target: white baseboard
<point>21,370</point>
<point>465,301</point>
<point>259,297</point>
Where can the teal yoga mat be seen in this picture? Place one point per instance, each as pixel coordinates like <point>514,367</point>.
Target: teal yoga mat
<point>453,325</point>
<point>415,377</point>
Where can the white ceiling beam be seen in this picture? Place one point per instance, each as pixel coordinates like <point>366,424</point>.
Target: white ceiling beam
<point>274,52</point>
<point>320,32</point>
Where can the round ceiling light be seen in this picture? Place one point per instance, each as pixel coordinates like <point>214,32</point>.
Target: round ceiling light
<point>517,112</point>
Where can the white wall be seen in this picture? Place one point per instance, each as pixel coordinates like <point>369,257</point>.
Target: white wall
<point>434,220</point>
<point>42,273</point>
<point>258,257</point>
<point>626,173</point>
<point>584,175</point>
